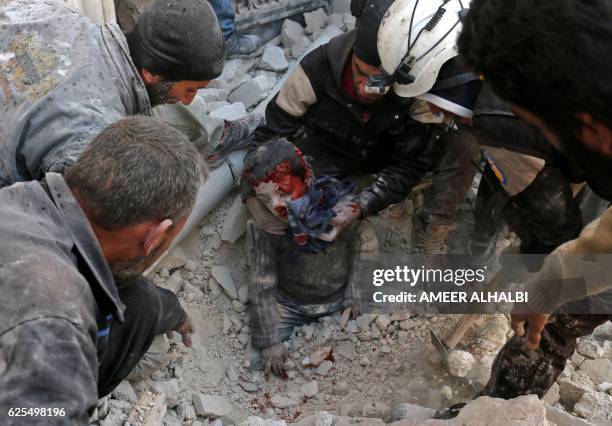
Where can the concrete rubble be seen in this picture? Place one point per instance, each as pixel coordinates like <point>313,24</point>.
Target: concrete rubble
<point>373,370</point>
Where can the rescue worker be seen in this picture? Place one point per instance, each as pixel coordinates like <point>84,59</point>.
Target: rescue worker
<point>297,274</point>
<point>550,61</point>
<point>77,314</point>
<point>63,78</point>
<point>350,129</point>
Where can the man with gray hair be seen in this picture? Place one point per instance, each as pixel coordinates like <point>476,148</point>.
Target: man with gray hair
<point>77,314</point>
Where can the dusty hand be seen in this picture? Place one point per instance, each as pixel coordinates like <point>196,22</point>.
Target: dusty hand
<point>346,213</point>
<point>186,330</point>
<point>535,324</point>
<point>273,359</point>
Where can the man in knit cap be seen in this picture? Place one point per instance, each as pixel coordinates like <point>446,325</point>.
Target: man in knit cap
<point>297,274</point>
<point>64,78</point>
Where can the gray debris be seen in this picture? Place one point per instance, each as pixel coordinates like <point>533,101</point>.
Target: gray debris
<point>174,283</point>
<point>299,47</point>
<point>594,406</point>
<point>563,418</point>
<point>325,368</point>
<point>213,95</point>
<point>589,348</point>
<point>243,294</point>
<point>211,406</point>
<point>337,19</point>
<point>598,370</point>
<point>411,412</point>
<point>282,402</point>
<point>315,20</point>
<point>234,72</point>
<point>383,321</point>
<point>377,410</point>
<point>186,411</point>
<point>460,363</point>
<point>524,410</point>
<point>552,396</point>
<point>310,389</point>
<point>273,59</point>
<point>114,419</point>
<point>308,331</point>
<point>230,112</point>
<point>570,392</point>
<point>125,392</point>
<point>238,306</point>
<point>170,388</point>
<point>349,21</point>
<point>291,33</point>
<point>223,276</point>
<point>213,106</point>
<point>248,387</point>
<point>346,349</point>
<point>446,392</point>
<point>234,224</point>
<point>251,92</point>
<point>340,388</point>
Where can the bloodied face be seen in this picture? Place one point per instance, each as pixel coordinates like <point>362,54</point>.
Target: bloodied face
<point>280,188</point>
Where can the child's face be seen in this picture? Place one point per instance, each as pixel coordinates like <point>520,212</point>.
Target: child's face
<point>277,192</point>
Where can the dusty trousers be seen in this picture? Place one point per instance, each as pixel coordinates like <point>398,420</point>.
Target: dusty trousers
<point>149,311</point>
<point>517,370</point>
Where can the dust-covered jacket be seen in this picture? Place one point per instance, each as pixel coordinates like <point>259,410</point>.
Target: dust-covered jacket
<point>63,78</point>
<point>278,267</point>
<point>57,299</point>
<point>312,97</point>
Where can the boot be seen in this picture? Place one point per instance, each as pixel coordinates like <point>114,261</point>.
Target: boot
<point>240,45</point>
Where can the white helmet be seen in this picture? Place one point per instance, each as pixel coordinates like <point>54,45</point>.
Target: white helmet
<point>415,39</point>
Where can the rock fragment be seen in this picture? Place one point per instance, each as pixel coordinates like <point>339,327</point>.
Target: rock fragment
<point>211,406</point>
<point>223,276</point>
<point>273,59</point>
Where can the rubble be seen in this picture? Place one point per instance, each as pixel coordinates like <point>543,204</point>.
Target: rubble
<point>282,402</point>
<point>411,412</point>
<point>589,348</point>
<point>570,392</point>
<point>234,225</point>
<point>310,389</point>
<point>125,392</point>
<point>251,92</point>
<point>595,407</point>
<point>598,370</point>
<point>291,33</point>
<point>213,95</point>
<point>229,112</point>
<point>223,277</point>
<point>315,21</point>
<point>170,388</point>
<point>211,406</point>
<point>527,410</point>
<point>273,59</point>
<point>460,363</point>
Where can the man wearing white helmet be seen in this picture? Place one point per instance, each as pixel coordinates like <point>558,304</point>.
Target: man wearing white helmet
<point>352,127</point>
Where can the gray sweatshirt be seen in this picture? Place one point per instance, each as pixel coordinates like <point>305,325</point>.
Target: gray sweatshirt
<point>62,79</point>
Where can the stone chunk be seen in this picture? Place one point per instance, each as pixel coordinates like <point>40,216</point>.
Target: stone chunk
<point>230,112</point>
<point>595,406</point>
<point>524,410</point>
<point>310,389</point>
<point>347,350</point>
<point>291,33</point>
<point>213,95</point>
<point>235,221</point>
<point>251,92</point>
<point>589,348</point>
<point>211,406</point>
<point>315,20</point>
<point>570,392</point>
<point>552,396</point>
<point>411,412</point>
<point>460,363</point>
<point>325,368</point>
<point>223,276</point>
<point>125,392</point>
<point>282,402</point>
<point>273,59</point>
<point>174,283</point>
<point>170,388</point>
<point>598,370</point>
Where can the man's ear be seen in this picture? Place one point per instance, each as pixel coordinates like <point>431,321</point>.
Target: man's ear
<point>595,134</point>
<point>149,78</point>
<point>155,236</point>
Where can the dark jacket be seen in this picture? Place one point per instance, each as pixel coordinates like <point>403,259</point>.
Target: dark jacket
<point>278,269</point>
<point>58,300</point>
<point>378,138</point>
<point>62,80</point>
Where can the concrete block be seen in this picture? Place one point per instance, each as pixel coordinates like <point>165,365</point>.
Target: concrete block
<point>251,92</point>
<point>315,20</point>
<point>230,112</point>
<point>273,59</point>
<point>213,95</point>
<point>291,32</point>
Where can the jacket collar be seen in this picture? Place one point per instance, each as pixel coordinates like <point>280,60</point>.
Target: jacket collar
<point>85,240</point>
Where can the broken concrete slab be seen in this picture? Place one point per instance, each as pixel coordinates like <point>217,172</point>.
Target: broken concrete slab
<point>589,348</point>
<point>563,418</point>
<point>170,388</point>
<point>211,406</point>
<point>233,74</point>
<point>273,59</point>
<point>125,392</point>
<point>282,402</point>
<point>337,19</point>
<point>299,47</point>
<point>230,112</point>
<point>595,407</point>
<point>315,20</point>
<point>234,225</point>
<point>213,95</point>
<point>212,106</point>
<point>174,283</point>
<point>310,389</point>
<point>598,370</point>
<point>552,396</point>
<point>527,410</point>
<point>347,350</point>
<point>291,33</point>
<point>570,392</point>
<point>251,92</point>
<point>223,276</point>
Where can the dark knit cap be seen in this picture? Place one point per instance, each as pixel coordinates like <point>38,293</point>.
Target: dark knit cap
<point>368,22</point>
<point>179,39</point>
